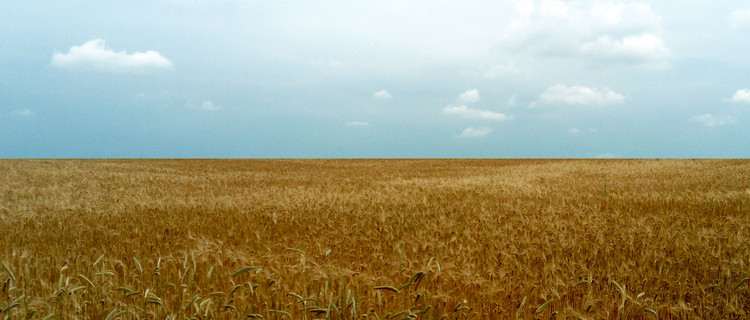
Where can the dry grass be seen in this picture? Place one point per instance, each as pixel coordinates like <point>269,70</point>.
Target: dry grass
<point>375,239</point>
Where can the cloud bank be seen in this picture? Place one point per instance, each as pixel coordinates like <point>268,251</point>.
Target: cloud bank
<point>578,96</point>
<point>95,56</point>
<point>596,31</point>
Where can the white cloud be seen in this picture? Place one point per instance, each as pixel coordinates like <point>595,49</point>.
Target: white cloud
<point>630,49</point>
<point>604,31</point>
<point>23,113</point>
<point>469,96</point>
<point>740,18</point>
<point>742,95</point>
<point>358,124</point>
<point>709,120</point>
<point>472,132</point>
<point>95,56</point>
<point>210,106</point>
<point>469,113</point>
<point>525,7</point>
<point>578,95</point>
<point>382,94</point>
<point>472,96</point>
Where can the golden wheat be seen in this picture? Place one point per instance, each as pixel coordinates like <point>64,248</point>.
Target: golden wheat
<point>375,239</point>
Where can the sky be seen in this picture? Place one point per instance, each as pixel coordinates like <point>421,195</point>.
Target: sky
<point>375,79</point>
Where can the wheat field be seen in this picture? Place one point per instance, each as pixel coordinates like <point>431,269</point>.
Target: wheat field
<point>375,239</point>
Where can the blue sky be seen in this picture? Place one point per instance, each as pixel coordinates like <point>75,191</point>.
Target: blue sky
<point>234,78</point>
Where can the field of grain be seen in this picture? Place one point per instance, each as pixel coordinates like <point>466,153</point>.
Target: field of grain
<point>375,239</point>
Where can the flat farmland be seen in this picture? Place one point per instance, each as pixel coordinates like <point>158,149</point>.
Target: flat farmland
<point>375,239</point>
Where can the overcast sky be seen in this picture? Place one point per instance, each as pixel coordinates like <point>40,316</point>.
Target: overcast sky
<point>234,78</point>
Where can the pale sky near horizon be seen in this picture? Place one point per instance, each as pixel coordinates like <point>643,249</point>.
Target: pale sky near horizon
<point>498,79</point>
